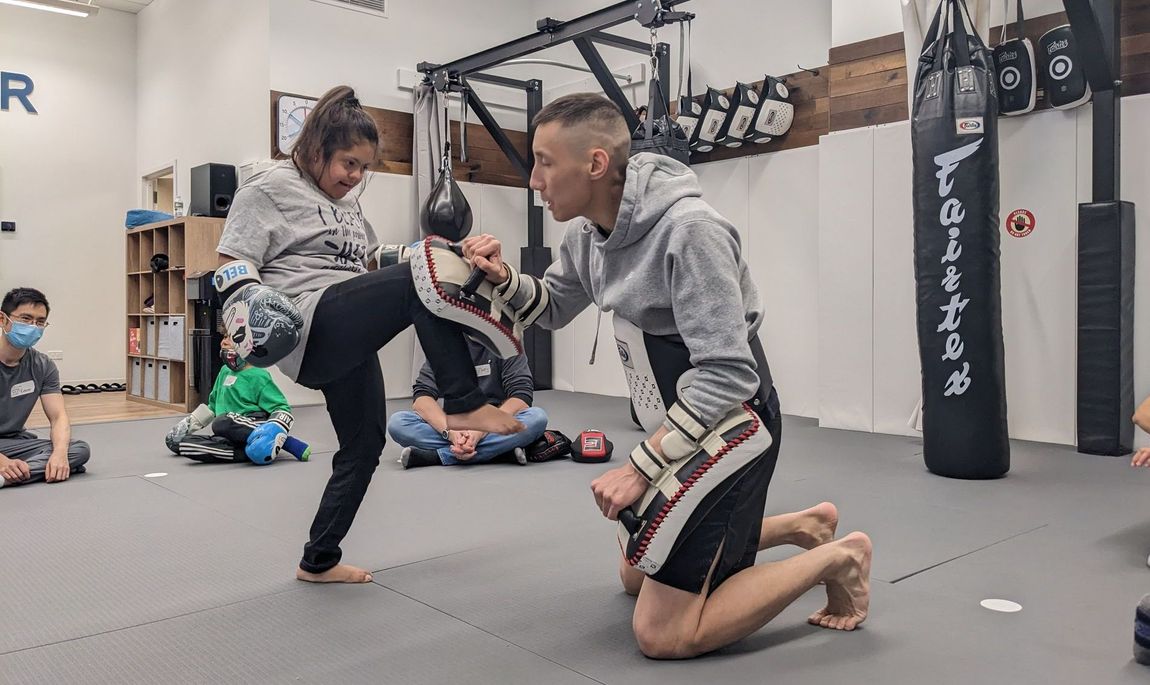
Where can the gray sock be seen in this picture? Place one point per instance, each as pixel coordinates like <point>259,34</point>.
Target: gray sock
<point>1142,631</point>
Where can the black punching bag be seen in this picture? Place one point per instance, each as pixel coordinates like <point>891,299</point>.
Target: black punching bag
<point>446,212</point>
<point>954,134</point>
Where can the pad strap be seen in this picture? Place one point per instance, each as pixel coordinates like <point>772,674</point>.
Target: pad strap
<point>647,462</point>
<point>283,418</point>
<point>525,295</point>
<point>389,255</point>
<point>688,434</point>
<point>234,275</point>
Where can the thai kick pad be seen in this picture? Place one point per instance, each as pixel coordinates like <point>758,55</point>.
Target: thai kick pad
<point>551,445</point>
<point>684,491</point>
<point>654,366</point>
<point>1062,72</point>
<point>1014,61</point>
<point>776,113</point>
<point>451,289</point>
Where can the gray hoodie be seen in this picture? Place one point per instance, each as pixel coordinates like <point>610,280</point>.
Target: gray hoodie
<point>672,267</point>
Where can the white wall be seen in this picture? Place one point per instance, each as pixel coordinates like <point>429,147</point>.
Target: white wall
<point>1039,272</point>
<point>202,83</point>
<point>66,179</point>
<point>731,40</point>
<point>366,51</point>
<point>772,200</point>
<point>846,280</point>
<point>857,20</point>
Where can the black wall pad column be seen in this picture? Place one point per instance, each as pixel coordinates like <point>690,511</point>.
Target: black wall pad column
<point>1105,328</point>
<point>537,341</point>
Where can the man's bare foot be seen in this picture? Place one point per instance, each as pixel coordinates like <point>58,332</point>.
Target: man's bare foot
<point>488,418</point>
<point>848,588</point>
<point>816,526</point>
<point>340,573</point>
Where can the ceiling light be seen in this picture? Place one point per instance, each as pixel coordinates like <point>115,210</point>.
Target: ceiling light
<point>69,7</point>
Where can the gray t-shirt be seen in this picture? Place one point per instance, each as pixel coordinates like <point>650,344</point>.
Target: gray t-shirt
<point>21,387</point>
<point>301,240</point>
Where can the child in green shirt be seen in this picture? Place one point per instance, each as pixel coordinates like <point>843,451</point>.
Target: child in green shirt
<point>249,417</point>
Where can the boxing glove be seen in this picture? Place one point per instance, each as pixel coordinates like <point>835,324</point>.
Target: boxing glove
<point>263,324</point>
<point>264,443</point>
<point>196,421</point>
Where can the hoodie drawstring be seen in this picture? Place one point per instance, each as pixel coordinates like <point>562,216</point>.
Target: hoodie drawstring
<point>599,313</point>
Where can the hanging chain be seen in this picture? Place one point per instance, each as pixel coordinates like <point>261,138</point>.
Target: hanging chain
<point>654,54</point>
<point>655,39</point>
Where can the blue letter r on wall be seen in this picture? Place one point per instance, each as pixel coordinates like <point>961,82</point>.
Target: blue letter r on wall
<point>19,86</point>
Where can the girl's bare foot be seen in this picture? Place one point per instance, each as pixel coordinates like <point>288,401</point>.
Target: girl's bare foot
<point>848,589</point>
<point>488,418</point>
<point>340,573</point>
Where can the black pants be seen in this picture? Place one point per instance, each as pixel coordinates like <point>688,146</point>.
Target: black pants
<point>228,441</point>
<point>352,321</point>
<point>732,523</point>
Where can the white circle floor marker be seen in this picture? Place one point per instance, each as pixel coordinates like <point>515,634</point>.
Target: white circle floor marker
<point>154,475</point>
<point>1004,605</point>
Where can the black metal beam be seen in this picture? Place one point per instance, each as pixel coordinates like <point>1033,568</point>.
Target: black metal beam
<point>606,81</point>
<point>1096,30</point>
<point>500,81</point>
<point>497,133</point>
<point>663,56</point>
<point>534,211</point>
<point>619,13</point>
<point>620,42</point>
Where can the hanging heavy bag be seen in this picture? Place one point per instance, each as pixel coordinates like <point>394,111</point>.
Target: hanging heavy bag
<point>1014,60</point>
<point>446,212</point>
<point>659,133</point>
<point>954,135</point>
<point>1065,81</point>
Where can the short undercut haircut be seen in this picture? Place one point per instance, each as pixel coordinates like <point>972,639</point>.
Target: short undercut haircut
<point>601,117</point>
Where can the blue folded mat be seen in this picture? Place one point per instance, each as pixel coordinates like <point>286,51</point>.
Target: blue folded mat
<point>140,217</point>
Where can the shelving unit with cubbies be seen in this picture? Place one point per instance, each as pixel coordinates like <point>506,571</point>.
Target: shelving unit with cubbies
<point>158,361</point>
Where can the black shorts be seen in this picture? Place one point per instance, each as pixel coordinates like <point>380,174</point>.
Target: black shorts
<point>730,519</point>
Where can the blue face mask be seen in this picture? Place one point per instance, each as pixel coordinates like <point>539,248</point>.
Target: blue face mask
<point>23,335</point>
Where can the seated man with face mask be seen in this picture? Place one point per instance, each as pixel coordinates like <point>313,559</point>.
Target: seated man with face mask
<point>27,375</point>
<point>250,418</point>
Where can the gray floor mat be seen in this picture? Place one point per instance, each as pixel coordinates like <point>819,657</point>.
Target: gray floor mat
<point>188,578</point>
<point>408,515</point>
<point>313,634</point>
<point>569,608</point>
<point>116,553</point>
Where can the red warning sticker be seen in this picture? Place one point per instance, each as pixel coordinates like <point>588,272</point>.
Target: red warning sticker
<point>1020,223</point>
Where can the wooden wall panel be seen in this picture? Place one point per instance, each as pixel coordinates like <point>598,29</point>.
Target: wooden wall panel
<point>864,75</point>
<point>486,162</point>
<point>812,109</point>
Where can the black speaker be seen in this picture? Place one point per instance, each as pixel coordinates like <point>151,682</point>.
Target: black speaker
<point>213,186</point>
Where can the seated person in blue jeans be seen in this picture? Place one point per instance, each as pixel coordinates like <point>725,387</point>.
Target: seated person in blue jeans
<point>423,432</point>
<point>27,375</point>
<point>250,418</point>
